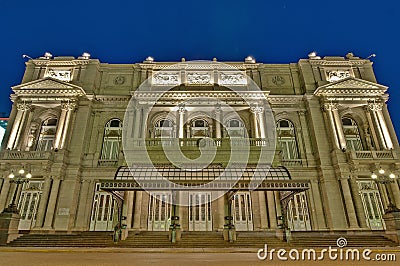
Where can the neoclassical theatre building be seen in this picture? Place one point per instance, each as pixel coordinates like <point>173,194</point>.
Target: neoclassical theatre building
<point>335,165</point>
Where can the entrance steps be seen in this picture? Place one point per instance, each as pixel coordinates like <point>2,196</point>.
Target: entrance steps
<point>319,239</point>
<point>200,240</point>
<point>85,239</point>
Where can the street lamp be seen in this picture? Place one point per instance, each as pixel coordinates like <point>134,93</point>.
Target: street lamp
<point>21,178</point>
<point>383,179</point>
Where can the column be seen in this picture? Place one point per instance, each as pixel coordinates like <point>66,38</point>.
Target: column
<point>130,209</point>
<point>372,128</point>
<point>256,131</point>
<point>329,107</point>
<point>358,203</point>
<point>278,203</point>
<point>60,128</point>
<point>43,203</point>
<point>84,207</point>
<point>319,211</point>
<point>138,210</point>
<point>145,114</point>
<point>263,210</point>
<point>218,122</point>
<point>17,125</point>
<point>339,128</point>
<point>4,193</point>
<point>261,122</point>
<point>69,107</point>
<point>136,123</point>
<point>306,136</point>
<point>351,213</point>
<point>271,210</point>
<point>396,193</point>
<point>221,212</point>
<point>181,114</point>
<point>51,207</point>
<point>383,132</point>
<point>389,124</point>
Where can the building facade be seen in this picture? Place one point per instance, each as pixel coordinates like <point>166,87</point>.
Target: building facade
<point>332,128</point>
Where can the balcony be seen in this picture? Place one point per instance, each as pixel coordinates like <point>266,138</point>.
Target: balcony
<point>372,155</point>
<point>202,142</point>
<point>26,155</point>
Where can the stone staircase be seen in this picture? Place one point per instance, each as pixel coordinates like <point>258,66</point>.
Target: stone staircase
<point>86,239</point>
<point>198,240</point>
<point>316,239</point>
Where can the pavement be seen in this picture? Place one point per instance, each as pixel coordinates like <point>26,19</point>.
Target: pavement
<point>33,256</point>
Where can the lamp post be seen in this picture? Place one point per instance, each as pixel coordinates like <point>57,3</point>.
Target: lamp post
<point>21,178</point>
<point>384,179</point>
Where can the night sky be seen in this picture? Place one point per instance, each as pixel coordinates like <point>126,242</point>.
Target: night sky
<point>129,31</point>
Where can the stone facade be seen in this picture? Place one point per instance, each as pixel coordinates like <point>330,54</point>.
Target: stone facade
<point>332,126</point>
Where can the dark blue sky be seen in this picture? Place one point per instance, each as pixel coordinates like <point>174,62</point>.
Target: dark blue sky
<point>128,31</point>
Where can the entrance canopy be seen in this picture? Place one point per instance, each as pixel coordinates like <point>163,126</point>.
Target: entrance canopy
<point>213,177</point>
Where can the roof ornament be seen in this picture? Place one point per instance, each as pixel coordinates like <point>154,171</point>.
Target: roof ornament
<point>313,55</point>
<point>249,60</point>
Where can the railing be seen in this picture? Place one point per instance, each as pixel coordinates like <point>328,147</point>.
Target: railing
<point>26,155</point>
<point>292,162</point>
<point>109,163</point>
<point>380,155</point>
<point>202,142</point>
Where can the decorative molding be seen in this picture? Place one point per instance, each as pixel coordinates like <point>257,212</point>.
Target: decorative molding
<point>225,78</point>
<point>351,86</point>
<point>164,78</point>
<point>48,86</point>
<point>41,62</point>
<point>59,74</point>
<point>199,78</point>
<point>278,80</point>
<point>119,80</point>
<point>339,62</point>
<point>338,74</point>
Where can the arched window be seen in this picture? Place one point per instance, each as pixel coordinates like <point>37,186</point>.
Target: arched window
<point>287,139</point>
<point>111,140</point>
<point>164,128</point>
<point>235,128</point>
<point>352,135</point>
<point>199,128</point>
<point>47,135</point>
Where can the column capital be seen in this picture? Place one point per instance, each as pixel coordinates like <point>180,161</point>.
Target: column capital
<point>68,106</point>
<point>23,106</point>
<point>256,109</point>
<point>181,109</point>
<point>375,106</point>
<point>331,106</point>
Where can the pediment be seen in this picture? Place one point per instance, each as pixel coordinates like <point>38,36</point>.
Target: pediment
<point>48,86</point>
<point>351,86</point>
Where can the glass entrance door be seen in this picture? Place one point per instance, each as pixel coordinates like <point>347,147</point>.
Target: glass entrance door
<point>102,211</point>
<point>29,204</point>
<point>159,211</point>
<point>200,211</point>
<point>242,212</point>
<point>373,207</point>
<point>298,216</point>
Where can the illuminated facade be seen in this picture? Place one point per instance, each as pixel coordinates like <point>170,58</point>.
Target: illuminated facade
<point>332,126</point>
